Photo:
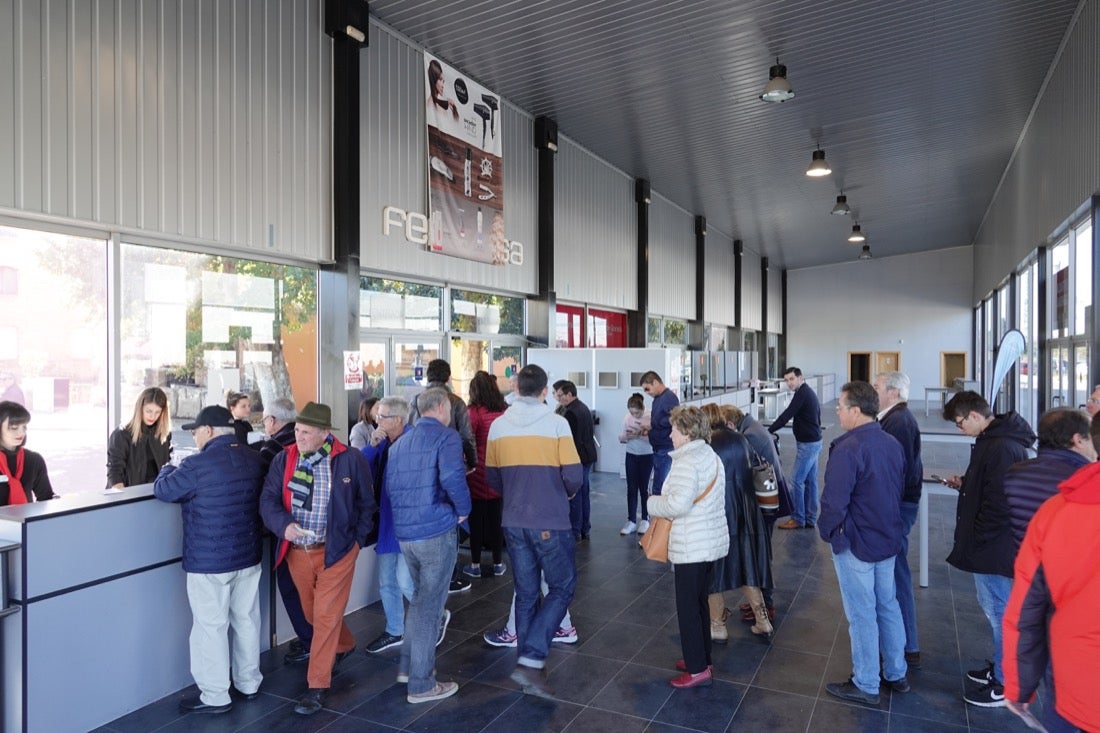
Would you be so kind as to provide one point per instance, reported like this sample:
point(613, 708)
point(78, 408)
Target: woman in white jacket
point(694, 497)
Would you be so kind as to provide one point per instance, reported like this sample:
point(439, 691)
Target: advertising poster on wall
point(465, 167)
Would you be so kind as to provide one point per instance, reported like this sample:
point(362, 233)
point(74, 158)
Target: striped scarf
point(301, 483)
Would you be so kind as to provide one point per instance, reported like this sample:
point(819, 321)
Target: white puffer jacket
point(699, 531)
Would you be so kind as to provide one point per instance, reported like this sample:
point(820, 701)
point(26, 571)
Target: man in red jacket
point(1053, 613)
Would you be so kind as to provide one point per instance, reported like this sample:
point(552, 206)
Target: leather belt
point(309, 547)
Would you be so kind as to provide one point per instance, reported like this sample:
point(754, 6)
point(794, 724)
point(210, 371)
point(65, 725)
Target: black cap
point(215, 416)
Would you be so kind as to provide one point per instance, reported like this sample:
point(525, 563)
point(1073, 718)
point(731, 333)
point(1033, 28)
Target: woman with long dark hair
point(137, 450)
point(486, 404)
point(361, 432)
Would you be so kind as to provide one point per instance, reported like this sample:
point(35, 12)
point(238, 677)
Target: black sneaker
point(459, 585)
point(991, 695)
point(383, 642)
point(983, 675)
point(900, 685)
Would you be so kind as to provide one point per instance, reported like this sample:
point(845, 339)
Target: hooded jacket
point(1052, 613)
point(983, 529)
point(530, 459)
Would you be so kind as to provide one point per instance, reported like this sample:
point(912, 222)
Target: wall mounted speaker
point(546, 134)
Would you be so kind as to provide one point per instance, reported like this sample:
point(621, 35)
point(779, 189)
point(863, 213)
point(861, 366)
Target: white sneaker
point(643, 526)
point(628, 528)
point(565, 635)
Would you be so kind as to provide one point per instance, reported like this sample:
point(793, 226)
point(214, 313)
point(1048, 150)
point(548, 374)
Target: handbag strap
point(711, 486)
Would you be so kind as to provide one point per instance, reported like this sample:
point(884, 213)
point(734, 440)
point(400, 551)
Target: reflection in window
point(200, 326)
point(569, 326)
point(653, 332)
point(473, 312)
point(1059, 294)
point(675, 332)
point(606, 329)
point(397, 305)
point(1082, 277)
point(53, 350)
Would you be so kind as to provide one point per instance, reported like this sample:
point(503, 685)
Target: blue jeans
point(580, 506)
point(661, 466)
point(874, 620)
point(394, 585)
point(903, 578)
point(993, 591)
point(430, 564)
point(804, 484)
point(638, 470)
point(547, 554)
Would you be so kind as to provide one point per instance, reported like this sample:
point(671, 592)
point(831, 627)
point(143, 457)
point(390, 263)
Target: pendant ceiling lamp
point(818, 166)
point(857, 234)
point(841, 208)
point(865, 254)
point(778, 89)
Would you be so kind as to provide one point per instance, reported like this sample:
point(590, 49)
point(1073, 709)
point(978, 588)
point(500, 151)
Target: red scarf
point(16, 493)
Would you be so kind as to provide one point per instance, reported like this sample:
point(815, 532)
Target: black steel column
point(781, 354)
point(1042, 314)
point(638, 321)
point(762, 346)
point(1093, 327)
point(738, 254)
point(546, 142)
point(700, 274)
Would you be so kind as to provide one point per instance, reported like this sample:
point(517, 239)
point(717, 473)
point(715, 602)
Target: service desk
point(103, 620)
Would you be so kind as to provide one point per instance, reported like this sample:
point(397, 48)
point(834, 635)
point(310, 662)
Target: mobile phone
point(941, 479)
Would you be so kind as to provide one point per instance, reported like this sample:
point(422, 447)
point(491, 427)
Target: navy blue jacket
point(1029, 483)
point(425, 480)
point(900, 423)
point(983, 531)
point(860, 507)
point(350, 509)
point(660, 431)
point(806, 411)
point(219, 490)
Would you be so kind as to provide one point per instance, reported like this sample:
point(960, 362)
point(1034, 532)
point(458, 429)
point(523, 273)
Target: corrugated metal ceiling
point(917, 104)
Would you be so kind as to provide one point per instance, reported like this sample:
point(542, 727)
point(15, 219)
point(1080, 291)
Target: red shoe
point(703, 679)
point(749, 616)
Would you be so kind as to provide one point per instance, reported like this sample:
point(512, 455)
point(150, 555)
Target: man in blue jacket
point(861, 520)
point(318, 498)
point(805, 410)
point(425, 481)
point(219, 488)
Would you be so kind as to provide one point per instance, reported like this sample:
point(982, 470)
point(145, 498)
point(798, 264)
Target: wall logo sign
point(416, 229)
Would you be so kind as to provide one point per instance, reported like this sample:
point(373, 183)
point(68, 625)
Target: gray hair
point(282, 409)
point(219, 431)
point(898, 381)
point(431, 399)
point(396, 406)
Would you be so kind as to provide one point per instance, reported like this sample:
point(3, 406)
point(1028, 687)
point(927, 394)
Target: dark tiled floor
point(615, 677)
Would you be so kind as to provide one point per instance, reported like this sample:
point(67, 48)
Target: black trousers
point(486, 516)
point(693, 613)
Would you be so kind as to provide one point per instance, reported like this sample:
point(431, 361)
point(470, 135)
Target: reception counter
point(100, 617)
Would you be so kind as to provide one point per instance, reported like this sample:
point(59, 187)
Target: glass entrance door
point(500, 356)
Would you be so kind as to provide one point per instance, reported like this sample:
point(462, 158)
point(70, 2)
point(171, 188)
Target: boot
point(763, 626)
point(718, 615)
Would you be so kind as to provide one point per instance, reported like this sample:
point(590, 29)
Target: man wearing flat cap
point(218, 489)
point(318, 499)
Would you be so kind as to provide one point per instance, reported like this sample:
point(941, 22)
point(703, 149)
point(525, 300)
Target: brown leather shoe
point(789, 524)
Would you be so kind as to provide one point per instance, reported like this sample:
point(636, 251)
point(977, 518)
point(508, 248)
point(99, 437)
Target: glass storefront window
point(653, 332)
point(569, 326)
point(1082, 298)
point(397, 305)
point(1059, 290)
point(409, 367)
point(606, 329)
point(53, 350)
point(675, 332)
point(199, 326)
point(473, 312)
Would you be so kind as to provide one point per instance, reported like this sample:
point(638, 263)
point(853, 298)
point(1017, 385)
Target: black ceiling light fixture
point(865, 253)
point(818, 166)
point(778, 89)
point(857, 235)
point(841, 208)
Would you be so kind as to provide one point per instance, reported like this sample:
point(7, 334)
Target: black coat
point(128, 463)
point(749, 560)
point(583, 426)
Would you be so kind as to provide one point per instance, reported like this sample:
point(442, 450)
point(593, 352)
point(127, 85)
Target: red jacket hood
point(1082, 487)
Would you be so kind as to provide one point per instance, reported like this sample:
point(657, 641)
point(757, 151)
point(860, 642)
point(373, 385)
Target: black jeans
point(485, 531)
point(638, 470)
point(693, 613)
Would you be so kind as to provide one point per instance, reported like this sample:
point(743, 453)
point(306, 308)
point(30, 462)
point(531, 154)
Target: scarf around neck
point(16, 493)
point(301, 483)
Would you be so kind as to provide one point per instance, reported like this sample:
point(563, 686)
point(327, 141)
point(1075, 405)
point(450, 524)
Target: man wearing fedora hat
point(219, 488)
point(318, 499)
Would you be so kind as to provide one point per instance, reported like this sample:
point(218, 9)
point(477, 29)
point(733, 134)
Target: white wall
point(917, 304)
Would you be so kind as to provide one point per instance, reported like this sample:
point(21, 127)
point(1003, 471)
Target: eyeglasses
point(959, 422)
point(1093, 401)
point(840, 407)
point(388, 417)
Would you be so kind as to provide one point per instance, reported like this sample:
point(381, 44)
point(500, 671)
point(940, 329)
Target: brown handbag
point(655, 540)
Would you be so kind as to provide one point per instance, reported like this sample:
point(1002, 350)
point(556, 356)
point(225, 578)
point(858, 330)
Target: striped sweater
point(530, 459)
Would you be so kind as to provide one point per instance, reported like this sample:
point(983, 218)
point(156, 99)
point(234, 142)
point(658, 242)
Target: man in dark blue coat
point(892, 389)
point(861, 520)
point(219, 490)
